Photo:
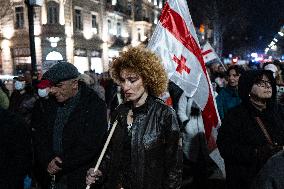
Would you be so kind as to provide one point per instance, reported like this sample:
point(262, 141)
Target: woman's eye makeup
point(132, 79)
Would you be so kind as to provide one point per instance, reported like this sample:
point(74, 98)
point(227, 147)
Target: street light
point(30, 5)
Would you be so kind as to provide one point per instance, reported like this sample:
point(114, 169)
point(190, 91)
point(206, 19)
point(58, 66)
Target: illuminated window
point(109, 27)
point(54, 55)
point(19, 17)
point(118, 29)
point(155, 2)
point(78, 20)
point(94, 21)
point(52, 13)
point(139, 34)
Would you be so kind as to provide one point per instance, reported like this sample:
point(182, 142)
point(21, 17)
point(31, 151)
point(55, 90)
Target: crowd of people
point(53, 130)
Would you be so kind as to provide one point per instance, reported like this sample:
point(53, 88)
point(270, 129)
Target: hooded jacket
point(240, 136)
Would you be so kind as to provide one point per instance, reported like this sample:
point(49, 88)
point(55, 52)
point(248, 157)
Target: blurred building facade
point(87, 33)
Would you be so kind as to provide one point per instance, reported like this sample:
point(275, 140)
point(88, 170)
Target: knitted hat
point(44, 84)
point(61, 71)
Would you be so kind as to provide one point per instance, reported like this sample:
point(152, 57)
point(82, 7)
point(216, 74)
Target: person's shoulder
point(225, 91)
point(160, 104)
point(89, 93)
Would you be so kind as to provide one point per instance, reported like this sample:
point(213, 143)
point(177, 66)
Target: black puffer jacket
point(240, 136)
point(156, 155)
point(82, 138)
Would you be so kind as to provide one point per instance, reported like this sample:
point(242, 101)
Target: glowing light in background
point(88, 34)
point(37, 30)
point(6, 57)
point(81, 63)
point(53, 41)
point(54, 55)
point(8, 32)
point(97, 65)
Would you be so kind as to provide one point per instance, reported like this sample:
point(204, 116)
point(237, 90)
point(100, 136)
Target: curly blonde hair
point(144, 63)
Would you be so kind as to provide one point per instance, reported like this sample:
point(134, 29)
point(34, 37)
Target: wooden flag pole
point(104, 149)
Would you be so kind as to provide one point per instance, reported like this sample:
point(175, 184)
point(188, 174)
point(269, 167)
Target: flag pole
point(104, 149)
point(222, 63)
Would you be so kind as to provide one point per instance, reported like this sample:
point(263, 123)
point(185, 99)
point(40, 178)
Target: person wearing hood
point(228, 97)
point(253, 131)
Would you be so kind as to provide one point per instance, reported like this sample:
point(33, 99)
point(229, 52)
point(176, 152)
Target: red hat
point(44, 84)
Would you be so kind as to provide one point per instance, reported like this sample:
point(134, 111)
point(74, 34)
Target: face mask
point(19, 85)
point(42, 92)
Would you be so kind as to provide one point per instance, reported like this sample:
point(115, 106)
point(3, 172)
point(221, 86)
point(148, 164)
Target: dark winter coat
point(240, 136)
point(227, 99)
point(271, 176)
point(15, 150)
point(156, 154)
point(82, 138)
point(23, 103)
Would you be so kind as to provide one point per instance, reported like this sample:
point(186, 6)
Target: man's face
point(132, 85)
point(64, 90)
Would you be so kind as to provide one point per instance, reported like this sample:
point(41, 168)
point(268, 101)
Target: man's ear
point(75, 84)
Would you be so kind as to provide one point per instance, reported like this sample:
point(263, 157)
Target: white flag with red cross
point(208, 53)
point(176, 42)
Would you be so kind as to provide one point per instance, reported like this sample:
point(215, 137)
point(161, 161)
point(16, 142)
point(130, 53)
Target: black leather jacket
point(156, 155)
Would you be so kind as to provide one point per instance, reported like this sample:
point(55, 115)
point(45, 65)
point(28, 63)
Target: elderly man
point(71, 130)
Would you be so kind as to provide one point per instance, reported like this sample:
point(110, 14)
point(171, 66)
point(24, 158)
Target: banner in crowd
point(176, 42)
point(208, 53)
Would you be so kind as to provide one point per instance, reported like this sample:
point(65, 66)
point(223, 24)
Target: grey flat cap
point(61, 71)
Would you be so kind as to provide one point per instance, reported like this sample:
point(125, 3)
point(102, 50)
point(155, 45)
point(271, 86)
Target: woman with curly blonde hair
point(145, 150)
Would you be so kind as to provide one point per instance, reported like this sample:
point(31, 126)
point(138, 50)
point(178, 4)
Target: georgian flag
point(208, 53)
point(175, 41)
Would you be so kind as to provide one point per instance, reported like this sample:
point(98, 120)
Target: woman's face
point(233, 78)
point(132, 85)
point(262, 89)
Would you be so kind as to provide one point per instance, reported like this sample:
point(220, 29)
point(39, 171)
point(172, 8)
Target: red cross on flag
point(175, 41)
point(208, 53)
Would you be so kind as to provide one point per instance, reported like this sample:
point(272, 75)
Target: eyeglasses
point(263, 83)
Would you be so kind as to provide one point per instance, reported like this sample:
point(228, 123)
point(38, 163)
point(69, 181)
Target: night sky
point(263, 19)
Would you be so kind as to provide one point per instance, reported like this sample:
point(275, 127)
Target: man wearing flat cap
point(70, 134)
